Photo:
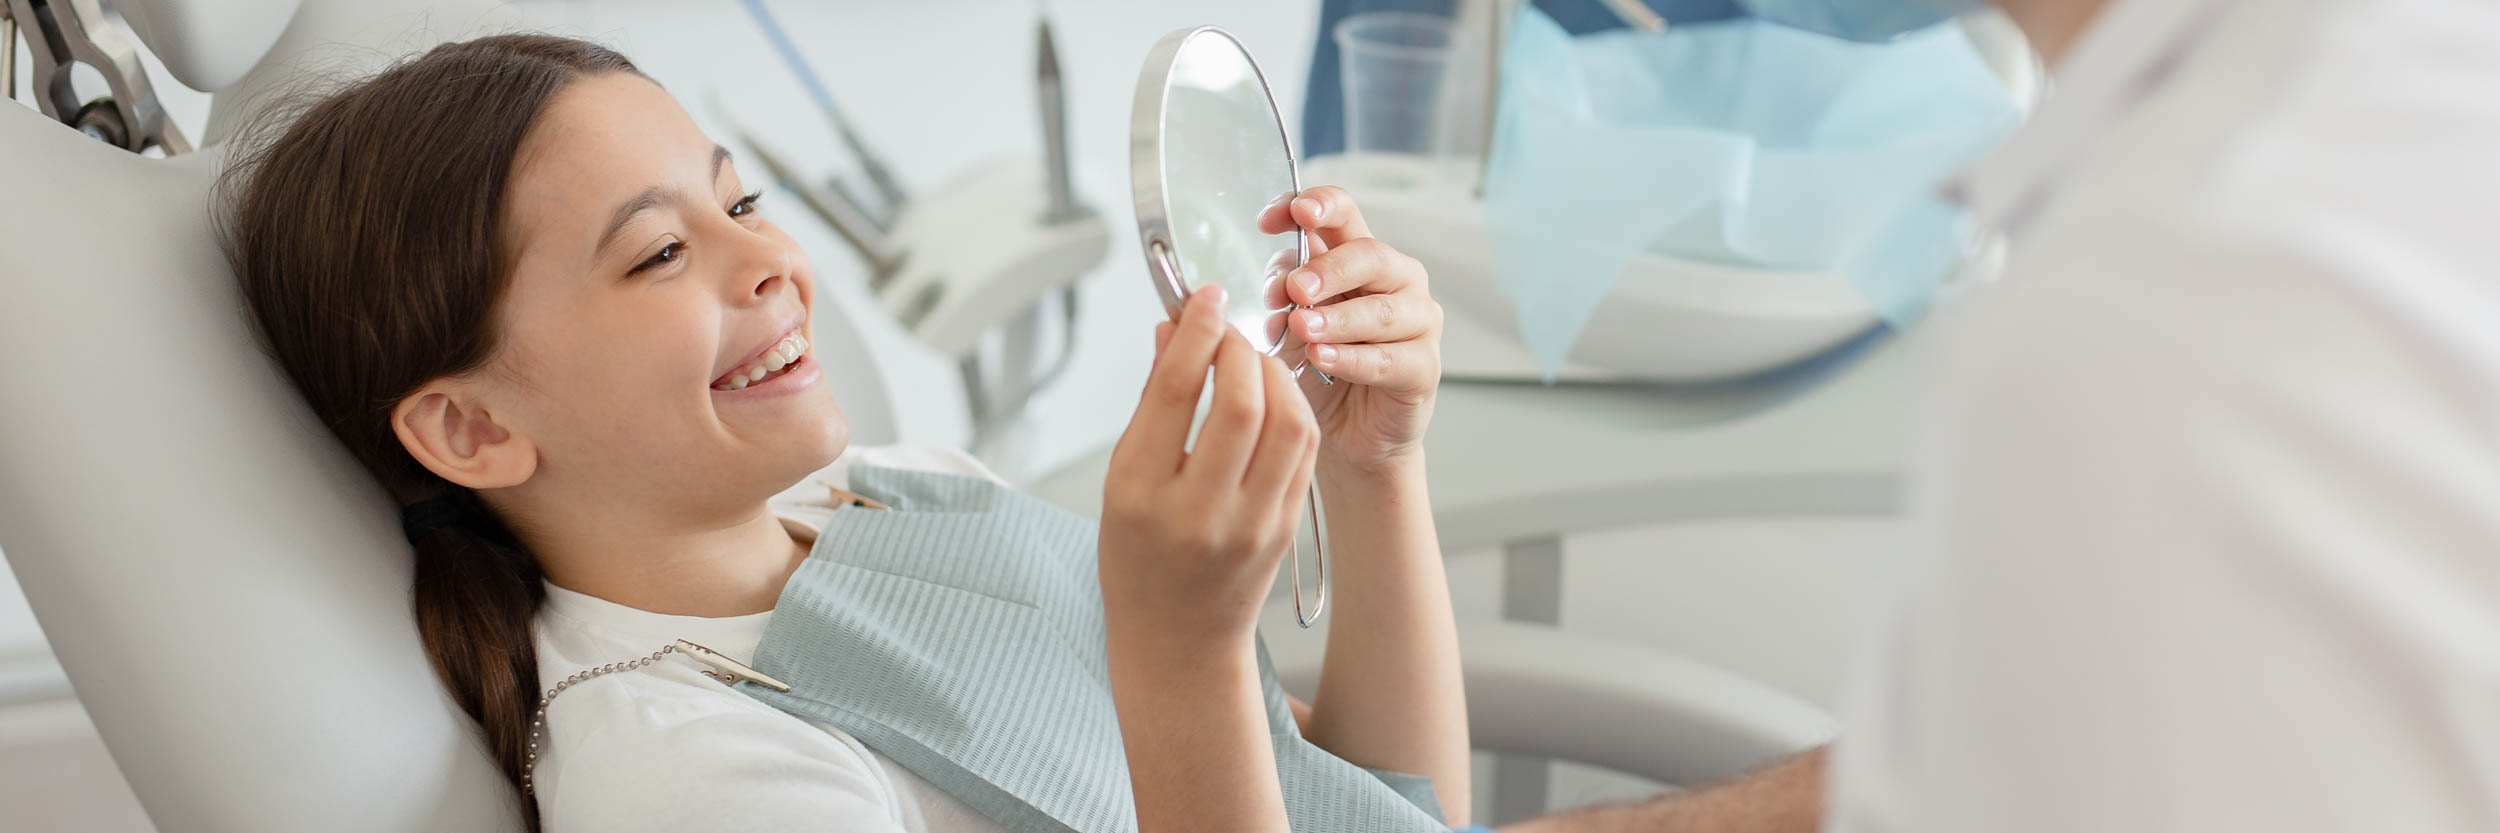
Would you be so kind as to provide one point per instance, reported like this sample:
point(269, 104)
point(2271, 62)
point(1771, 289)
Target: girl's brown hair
point(364, 233)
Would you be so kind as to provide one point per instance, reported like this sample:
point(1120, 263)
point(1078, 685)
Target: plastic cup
point(1392, 65)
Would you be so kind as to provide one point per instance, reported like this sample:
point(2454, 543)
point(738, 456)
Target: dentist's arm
point(1389, 691)
point(1786, 797)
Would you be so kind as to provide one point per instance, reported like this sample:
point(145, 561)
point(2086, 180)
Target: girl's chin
point(819, 434)
point(803, 425)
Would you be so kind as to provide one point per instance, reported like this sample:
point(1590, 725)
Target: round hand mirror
point(1212, 172)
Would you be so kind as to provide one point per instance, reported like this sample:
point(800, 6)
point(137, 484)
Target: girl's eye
point(666, 255)
point(746, 204)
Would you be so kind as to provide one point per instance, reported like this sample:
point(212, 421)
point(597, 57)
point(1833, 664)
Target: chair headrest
point(208, 44)
point(226, 588)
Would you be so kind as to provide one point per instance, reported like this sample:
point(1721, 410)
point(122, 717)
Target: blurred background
point(1684, 433)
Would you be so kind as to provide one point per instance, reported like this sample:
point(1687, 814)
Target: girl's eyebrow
point(650, 197)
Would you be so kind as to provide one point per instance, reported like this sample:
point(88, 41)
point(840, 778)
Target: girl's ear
point(450, 431)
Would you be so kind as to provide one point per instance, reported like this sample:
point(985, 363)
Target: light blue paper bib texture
point(961, 635)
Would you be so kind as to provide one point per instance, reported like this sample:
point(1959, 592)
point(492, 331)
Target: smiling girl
point(523, 288)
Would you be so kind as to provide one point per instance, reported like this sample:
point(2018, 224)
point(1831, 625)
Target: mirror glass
point(1222, 174)
point(1213, 174)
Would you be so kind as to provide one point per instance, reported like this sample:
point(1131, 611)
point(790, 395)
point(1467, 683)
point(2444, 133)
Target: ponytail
point(362, 226)
point(477, 590)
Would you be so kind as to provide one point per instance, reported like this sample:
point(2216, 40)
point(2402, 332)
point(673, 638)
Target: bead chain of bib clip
point(731, 671)
point(538, 719)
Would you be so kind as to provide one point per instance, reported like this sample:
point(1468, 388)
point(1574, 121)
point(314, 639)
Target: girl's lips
point(797, 376)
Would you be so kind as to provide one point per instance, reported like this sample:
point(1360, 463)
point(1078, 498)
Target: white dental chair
point(228, 591)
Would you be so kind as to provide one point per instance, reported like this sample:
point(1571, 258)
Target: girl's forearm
point(1194, 724)
point(1389, 691)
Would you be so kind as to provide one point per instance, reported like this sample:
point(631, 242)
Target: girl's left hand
point(1374, 328)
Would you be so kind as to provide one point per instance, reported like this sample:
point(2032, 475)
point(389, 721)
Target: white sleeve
point(2207, 537)
point(732, 771)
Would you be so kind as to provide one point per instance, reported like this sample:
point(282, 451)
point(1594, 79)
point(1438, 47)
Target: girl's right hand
point(1191, 536)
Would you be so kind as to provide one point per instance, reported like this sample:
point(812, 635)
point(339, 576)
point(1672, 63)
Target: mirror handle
point(1168, 277)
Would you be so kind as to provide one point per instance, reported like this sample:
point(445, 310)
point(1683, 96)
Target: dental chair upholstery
point(226, 588)
point(228, 591)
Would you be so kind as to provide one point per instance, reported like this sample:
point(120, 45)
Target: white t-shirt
point(664, 748)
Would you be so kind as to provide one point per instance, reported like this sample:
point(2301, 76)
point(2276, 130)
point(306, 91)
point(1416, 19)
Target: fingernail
point(1324, 353)
point(1316, 209)
point(1215, 296)
point(1311, 322)
point(1309, 281)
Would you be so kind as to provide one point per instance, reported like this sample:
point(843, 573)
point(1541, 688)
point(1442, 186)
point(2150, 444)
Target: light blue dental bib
point(960, 633)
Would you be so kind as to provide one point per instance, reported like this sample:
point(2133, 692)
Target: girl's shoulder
point(631, 769)
point(628, 750)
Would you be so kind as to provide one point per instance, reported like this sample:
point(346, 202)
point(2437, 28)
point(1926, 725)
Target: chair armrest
point(1535, 690)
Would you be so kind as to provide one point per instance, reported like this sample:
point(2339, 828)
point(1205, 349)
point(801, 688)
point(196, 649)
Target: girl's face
point(645, 285)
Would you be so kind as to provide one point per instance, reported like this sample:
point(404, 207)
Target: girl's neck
point(727, 570)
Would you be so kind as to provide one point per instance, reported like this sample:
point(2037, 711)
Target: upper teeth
point(782, 354)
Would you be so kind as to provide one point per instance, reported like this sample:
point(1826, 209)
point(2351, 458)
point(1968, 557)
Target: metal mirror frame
point(1154, 233)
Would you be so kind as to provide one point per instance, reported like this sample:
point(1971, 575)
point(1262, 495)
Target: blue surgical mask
point(1871, 21)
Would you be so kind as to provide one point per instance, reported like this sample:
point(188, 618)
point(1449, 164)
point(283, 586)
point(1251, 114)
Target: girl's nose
point(766, 266)
point(764, 286)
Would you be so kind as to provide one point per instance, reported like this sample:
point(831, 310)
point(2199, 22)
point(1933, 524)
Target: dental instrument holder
point(985, 304)
point(1200, 209)
point(61, 33)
